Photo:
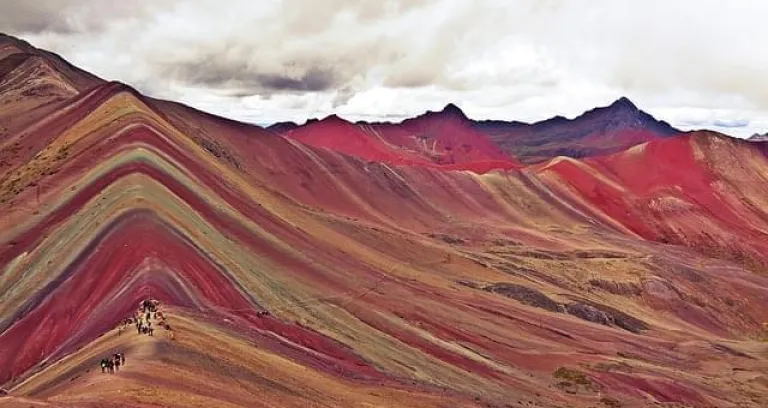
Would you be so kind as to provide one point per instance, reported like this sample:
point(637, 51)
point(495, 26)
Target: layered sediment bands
point(622, 271)
point(696, 190)
point(89, 298)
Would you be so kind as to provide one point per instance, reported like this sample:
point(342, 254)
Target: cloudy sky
point(694, 63)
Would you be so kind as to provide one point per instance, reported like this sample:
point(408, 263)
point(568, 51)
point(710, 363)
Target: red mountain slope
point(338, 135)
point(448, 134)
point(298, 275)
point(438, 139)
point(448, 137)
point(698, 190)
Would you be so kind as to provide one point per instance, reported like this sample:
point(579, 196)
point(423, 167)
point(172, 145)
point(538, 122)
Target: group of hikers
point(112, 364)
point(143, 318)
point(146, 313)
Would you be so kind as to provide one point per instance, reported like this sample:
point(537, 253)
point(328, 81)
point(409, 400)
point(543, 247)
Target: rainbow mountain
point(435, 262)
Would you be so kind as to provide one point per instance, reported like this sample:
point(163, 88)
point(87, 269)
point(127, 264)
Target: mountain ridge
point(297, 275)
point(598, 131)
point(758, 137)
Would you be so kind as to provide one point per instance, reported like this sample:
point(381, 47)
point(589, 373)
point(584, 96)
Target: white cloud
point(525, 60)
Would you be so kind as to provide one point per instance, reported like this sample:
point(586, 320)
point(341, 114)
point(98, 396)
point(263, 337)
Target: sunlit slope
point(439, 140)
point(387, 285)
point(701, 190)
point(208, 363)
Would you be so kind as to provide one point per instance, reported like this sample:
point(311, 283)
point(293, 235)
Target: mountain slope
point(699, 190)
point(386, 284)
point(80, 79)
point(449, 137)
point(448, 134)
point(597, 132)
point(437, 139)
point(758, 137)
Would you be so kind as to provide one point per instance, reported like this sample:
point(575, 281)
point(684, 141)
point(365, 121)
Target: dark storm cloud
point(288, 46)
point(36, 16)
point(69, 17)
point(302, 46)
point(314, 79)
point(241, 77)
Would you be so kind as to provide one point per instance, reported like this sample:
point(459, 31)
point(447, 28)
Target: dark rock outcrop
point(468, 283)
point(725, 349)
point(605, 315)
point(589, 313)
point(525, 295)
point(448, 239)
point(585, 310)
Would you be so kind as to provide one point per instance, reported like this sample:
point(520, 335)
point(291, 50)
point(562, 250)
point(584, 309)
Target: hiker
point(122, 358)
point(110, 366)
point(139, 327)
point(150, 329)
point(116, 358)
point(103, 365)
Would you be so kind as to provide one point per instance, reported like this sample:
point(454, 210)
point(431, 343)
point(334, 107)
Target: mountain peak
point(282, 127)
point(623, 103)
point(452, 109)
point(334, 118)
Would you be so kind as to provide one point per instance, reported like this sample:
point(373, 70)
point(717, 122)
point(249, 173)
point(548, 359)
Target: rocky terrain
point(605, 261)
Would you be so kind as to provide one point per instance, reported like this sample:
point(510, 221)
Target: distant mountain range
point(758, 137)
point(603, 261)
point(597, 132)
